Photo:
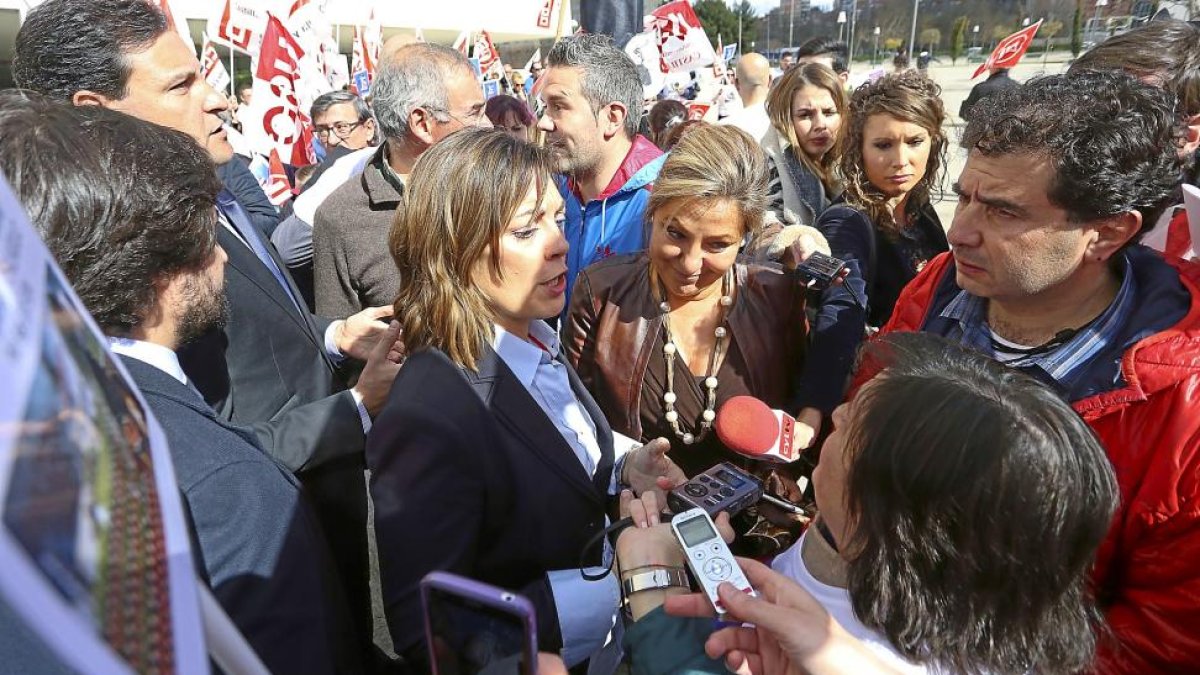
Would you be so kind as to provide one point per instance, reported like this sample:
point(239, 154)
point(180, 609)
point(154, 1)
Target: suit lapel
point(242, 259)
point(507, 397)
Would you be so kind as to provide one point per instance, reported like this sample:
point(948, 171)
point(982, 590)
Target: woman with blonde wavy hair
point(663, 338)
point(490, 459)
point(807, 107)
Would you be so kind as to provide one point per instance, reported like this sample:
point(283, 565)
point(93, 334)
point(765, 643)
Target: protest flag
point(239, 24)
point(212, 68)
point(368, 41)
point(279, 188)
point(622, 19)
point(462, 43)
point(180, 27)
point(681, 39)
point(276, 121)
point(536, 57)
point(1009, 51)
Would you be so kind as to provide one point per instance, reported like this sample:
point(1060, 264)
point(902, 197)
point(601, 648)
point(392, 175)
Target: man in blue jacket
point(593, 102)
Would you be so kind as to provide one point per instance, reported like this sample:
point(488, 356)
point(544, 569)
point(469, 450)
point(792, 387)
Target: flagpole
point(232, 76)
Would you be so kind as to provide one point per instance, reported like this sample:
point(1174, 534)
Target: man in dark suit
point(272, 366)
point(149, 194)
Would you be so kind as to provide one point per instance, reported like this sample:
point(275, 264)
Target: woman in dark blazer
point(490, 459)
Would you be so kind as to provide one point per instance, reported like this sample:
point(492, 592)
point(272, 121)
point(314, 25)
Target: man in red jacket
point(1047, 276)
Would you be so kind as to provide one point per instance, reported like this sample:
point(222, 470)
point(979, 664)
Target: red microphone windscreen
point(747, 426)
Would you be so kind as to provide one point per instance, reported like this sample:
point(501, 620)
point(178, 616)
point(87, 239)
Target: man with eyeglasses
point(342, 120)
point(422, 94)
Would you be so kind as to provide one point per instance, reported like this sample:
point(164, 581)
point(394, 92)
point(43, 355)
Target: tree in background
point(718, 19)
point(931, 37)
point(1077, 29)
point(957, 38)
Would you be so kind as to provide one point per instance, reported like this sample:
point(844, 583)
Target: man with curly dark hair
point(1046, 275)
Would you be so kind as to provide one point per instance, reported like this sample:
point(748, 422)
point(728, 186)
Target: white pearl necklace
point(710, 380)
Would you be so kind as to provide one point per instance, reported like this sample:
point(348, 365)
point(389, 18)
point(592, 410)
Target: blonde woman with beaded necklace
point(662, 338)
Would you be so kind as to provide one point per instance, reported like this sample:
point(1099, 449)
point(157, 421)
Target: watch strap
point(655, 579)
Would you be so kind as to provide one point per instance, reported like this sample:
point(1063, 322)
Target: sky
point(764, 6)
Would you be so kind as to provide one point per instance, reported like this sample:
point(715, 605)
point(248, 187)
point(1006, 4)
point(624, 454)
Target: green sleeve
point(659, 644)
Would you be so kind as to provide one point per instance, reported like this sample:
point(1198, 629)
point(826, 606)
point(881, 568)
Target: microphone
point(748, 427)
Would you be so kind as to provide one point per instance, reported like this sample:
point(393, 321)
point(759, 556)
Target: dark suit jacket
point(262, 550)
point(236, 176)
point(267, 370)
point(469, 475)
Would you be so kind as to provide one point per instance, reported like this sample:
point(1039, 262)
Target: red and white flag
point(545, 14)
point(179, 26)
point(276, 121)
point(1010, 50)
point(486, 52)
point(239, 24)
point(462, 43)
point(278, 188)
point(681, 39)
point(368, 41)
point(697, 111)
point(211, 67)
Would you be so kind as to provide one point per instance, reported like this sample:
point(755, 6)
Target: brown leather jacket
point(614, 329)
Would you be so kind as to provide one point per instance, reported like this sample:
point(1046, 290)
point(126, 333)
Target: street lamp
point(841, 24)
point(875, 58)
point(791, 22)
point(975, 36)
point(1096, 18)
point(853, 28)
point(912, 35)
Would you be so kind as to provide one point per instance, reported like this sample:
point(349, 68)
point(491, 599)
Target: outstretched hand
point(647, 467)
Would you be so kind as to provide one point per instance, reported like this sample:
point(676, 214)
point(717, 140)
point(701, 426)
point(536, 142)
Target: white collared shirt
point(151, 354)
point(544, 376)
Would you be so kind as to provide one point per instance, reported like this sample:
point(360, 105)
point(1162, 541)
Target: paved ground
point(956, 85)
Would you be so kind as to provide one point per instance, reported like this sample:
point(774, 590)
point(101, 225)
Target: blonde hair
point(461, 196)
point(715, 162)
point(779, 109)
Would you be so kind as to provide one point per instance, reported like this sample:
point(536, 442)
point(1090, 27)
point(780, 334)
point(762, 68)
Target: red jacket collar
point(641, 153)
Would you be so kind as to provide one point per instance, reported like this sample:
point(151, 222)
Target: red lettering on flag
point(543, 20)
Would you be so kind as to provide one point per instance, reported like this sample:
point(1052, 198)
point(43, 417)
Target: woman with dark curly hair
point(892, 162)
point(961, 503)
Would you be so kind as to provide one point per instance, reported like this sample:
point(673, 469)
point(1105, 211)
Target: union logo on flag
point(1010, 50)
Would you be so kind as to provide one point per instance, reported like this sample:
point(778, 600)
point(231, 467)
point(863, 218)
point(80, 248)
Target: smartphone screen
point(469, 637)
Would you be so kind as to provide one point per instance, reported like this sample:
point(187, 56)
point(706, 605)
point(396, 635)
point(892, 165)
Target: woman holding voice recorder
point(490, 459)
point(961, 504)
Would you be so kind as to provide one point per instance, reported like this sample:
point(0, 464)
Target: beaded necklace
point(710, 379)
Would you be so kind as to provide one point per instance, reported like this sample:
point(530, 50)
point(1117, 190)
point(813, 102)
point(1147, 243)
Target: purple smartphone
point(474, 628)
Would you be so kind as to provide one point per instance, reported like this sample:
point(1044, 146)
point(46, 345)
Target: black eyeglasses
point(342, 129)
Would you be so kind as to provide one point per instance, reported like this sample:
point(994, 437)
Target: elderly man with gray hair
point(422, 93)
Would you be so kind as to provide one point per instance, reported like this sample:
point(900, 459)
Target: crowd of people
point(495, 348)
